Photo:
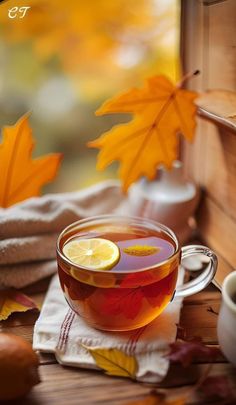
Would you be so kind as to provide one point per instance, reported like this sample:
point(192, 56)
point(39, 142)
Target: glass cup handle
point(206, 276)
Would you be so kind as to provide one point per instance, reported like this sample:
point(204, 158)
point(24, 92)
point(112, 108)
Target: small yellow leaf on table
point(114, 361)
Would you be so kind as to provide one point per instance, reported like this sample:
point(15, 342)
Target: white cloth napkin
point(29, 230)
point(59, 330)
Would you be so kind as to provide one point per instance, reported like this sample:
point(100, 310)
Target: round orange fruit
point(18, 367)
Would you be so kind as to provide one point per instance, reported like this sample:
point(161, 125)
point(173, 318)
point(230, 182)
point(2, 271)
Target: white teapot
point(169, 199)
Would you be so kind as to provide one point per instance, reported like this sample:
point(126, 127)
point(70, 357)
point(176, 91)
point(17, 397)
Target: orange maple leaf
point(21, 176)
point(160, 111)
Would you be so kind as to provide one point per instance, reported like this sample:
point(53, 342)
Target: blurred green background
point(64, 58)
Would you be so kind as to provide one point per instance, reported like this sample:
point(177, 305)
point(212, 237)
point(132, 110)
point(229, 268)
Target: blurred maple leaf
point(160, 111)
point(186, 352)
point(21, 176)
point(14, 301)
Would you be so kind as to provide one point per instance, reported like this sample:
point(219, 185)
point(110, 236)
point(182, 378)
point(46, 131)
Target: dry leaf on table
point(186, 352)
point(114, 362)
point(21, 176)
point(160, 111)
point(14, 301)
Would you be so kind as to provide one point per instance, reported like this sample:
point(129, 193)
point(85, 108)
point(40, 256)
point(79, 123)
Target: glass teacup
point(140, 281)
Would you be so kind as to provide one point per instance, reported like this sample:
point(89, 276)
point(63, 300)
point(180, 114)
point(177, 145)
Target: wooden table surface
point(69, 386)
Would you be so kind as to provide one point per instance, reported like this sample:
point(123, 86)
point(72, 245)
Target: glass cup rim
point(140, 220)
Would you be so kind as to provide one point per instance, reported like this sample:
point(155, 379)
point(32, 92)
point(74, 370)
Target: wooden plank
point(194, 153)
point(208, 43)
point(220, 169)
point(23, 331)
point(217, 229)
point(222, 50)
point(69, 386)
point(204, 315)
point(75, 386)
point(47, 358)
point(224, 269)
point(192, 32)
point(206, 296)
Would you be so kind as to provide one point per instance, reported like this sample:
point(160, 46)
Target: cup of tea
point(226, 326)
point(119, 273)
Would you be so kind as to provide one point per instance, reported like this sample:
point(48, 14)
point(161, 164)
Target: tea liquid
point(135, 290)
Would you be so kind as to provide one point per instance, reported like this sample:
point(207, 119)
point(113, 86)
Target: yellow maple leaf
point(21, 176)
point(160, 111)
point(114, 361)
point(14, 301)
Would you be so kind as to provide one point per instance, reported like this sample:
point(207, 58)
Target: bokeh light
point(65, 57)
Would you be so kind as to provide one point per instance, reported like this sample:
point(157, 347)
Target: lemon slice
point(94, 253)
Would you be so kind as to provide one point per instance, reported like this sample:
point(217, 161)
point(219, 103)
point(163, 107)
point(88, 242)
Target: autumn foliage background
point(65, 58)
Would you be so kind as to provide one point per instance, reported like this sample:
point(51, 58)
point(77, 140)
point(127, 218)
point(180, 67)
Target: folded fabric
point(28, 230)
point(59, 330)
point(27, 249)
point(21, 275)
point(52, 212)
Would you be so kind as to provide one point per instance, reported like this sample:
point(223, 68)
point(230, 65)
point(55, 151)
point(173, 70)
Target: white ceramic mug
point(226, 327)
